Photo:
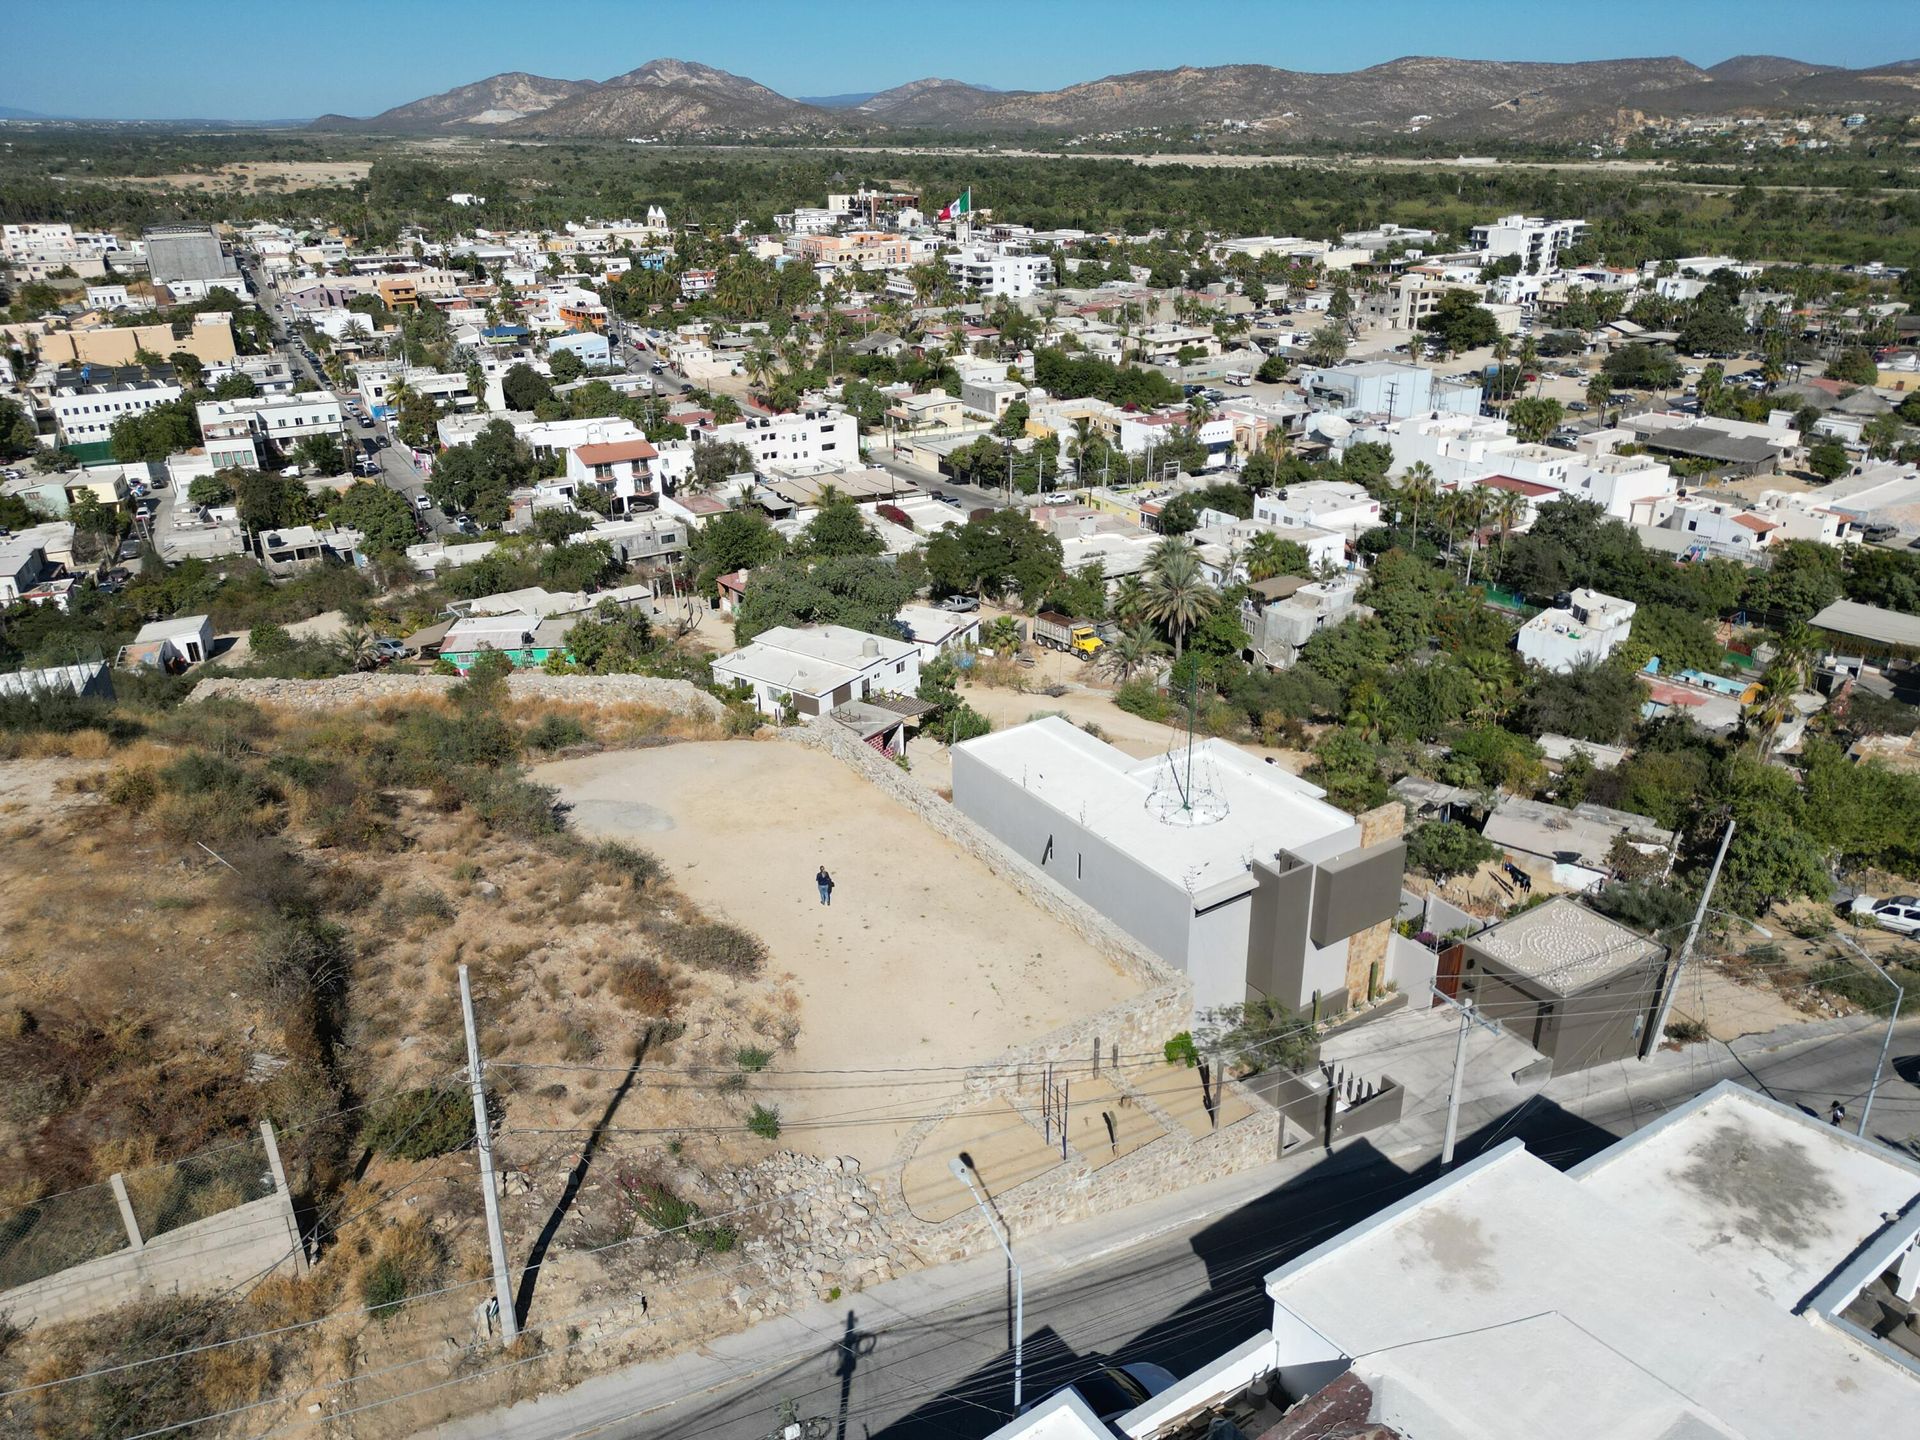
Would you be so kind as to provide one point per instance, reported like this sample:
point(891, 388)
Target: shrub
point(1180, 1050)
point(419, 1124)
point(637, 867)
point(136, 787)
point(556, 732)
point(269, 640)
point(1862, 988)
point(384, 1286)
point(1142, 698)
point(753, 1058)
point(644, 985)
point(1444, 848)
point(715, 945)
point(764, 1121)
point(660, 1208)
point(1686, 1031)
point(408, 1261)
point(509, 804)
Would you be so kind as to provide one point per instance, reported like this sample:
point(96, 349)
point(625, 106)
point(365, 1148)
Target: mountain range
point(1449, 98)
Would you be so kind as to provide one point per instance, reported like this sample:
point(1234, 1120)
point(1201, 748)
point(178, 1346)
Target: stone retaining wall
point(680, 696)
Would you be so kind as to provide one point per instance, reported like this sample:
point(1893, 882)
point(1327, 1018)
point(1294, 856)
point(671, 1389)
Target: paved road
point(916, 1359)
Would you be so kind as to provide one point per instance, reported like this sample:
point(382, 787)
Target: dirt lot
point(258, 175)
point(924, 959)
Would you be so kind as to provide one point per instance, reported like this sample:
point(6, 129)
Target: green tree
point(267, 501)
point(1855, 366)
point(1460, 322)
point(565, 365)
point(862, 592)
point(994, 555)
point(381, 516)
point(1590, 702)
point(1828, 460)
point(321, 452)
point(838, 527)
point(215, 489)
point(478, 478)
point(737, 540)
point(1272, 370)
point(715, 460)
point(524, 388)
point(1445, 848)
point(580, 566)
point(1178, 595)
point(1270, 555)
point(1327, 345)
point(1534, 420)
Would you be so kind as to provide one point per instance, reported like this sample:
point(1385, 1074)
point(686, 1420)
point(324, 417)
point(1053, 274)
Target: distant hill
point(1458, 99)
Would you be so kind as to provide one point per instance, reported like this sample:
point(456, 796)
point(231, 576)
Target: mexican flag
point(957, 208)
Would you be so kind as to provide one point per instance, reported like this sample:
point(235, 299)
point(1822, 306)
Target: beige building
point(210, 340)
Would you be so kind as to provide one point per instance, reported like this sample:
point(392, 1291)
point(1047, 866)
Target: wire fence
point(46, 1237)
point(61, 1231)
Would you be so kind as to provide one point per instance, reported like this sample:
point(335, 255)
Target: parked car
point(1113, 1390)
point(387, 648)
point(960, 604)
point(423, 501)
point(1901, 914)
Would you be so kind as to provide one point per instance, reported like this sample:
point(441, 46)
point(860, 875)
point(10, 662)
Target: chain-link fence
point(47, 1236)
point(63, 1230)
point(166, 1197)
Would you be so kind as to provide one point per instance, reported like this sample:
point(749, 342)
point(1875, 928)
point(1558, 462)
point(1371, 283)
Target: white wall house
point(991, 271)
point(1336, 505)
point(827, 435)
point(1536, 241)
point(281, 420)
point(624, 468)
point(84, 414)
point(819, 667)
point(1584, 633)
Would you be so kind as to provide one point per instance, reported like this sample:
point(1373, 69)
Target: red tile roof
point(1528, 488)
point(614, 452)
point(1755, 523)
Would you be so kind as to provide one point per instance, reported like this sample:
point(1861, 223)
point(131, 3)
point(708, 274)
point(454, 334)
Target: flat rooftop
point(1509, 1301)
point(1261, 809)
point(1778, 1196)
point(1565, 945)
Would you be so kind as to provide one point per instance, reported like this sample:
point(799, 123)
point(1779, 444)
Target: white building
point(937, 631)
point(83, 414)
point(1538, 242)
point(991, 270)
point(819, 667)
point(1724, 1272)
point(1235, 872)
point(280, 420)
point(1337, 505)
point(827, 435)
point(1584, 633)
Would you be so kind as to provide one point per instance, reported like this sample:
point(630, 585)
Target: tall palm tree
point(1416, 489)
point(1199, 411)
point(760, 365)
point(1133, 651)
point(1178, 596)
point(1471, 504)
point(1508, 509)
point(1773, 705)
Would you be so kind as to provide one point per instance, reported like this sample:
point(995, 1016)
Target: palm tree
point(759, 365)
point(1199, 411)
point(1773, 705)
point(1130, 600)
point(1267, 556)
point(1132, 652)
point(1417, 488)
point(356, 647)
point(1178, 596)
point(1509, 508)
point(1471, 505)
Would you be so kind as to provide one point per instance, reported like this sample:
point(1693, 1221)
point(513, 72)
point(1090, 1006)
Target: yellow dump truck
point(1076, 637)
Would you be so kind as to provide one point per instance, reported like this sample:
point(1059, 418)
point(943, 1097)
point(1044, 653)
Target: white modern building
point(1538, 242)
point(1585, 632)
point(1738, 1268)
point(83, 414)
point(937, 631)
point(1388, 388)
point(991, 270)
point(1235, 872)
point(827, 435)
point(818, 667)
point(281, 420)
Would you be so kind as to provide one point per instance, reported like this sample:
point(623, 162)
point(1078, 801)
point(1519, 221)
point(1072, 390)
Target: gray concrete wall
point(1153, 911)
point(210, 1254)
point(680, 696)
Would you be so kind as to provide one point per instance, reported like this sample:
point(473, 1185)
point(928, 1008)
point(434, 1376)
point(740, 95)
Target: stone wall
point(1367, 951)
point(680, 696)
point(209, 1254)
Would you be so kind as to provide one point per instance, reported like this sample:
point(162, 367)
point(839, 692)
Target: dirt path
point(925, 959)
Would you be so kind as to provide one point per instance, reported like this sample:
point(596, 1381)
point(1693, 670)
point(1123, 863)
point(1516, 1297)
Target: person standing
point(1837, 1115)
point(825, 882)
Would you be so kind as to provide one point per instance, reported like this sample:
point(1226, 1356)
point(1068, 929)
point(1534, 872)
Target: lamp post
point(963, 1172)
point(1886, 1044)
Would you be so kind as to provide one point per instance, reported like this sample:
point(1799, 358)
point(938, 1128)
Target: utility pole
point(1470, 1016)
point(483, 1140)
point(965, 1176)
point(1651, 1040)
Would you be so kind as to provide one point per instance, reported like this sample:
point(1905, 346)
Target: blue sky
point(278, 59)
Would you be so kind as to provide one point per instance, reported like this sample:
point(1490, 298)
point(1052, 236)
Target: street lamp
point(963, 1172)
point(1899, 994)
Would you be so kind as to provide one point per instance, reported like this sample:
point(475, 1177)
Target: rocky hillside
point(485, 104)
point(1453, 98)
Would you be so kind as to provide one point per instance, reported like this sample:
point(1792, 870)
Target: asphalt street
point(880, 1367)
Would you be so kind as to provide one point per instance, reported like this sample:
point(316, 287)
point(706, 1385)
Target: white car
point(1901, 914)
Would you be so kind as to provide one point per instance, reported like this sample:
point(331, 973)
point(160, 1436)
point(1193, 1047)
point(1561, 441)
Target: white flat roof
point(1115, 797)
point(1783, 1198)
point(1510, 1301)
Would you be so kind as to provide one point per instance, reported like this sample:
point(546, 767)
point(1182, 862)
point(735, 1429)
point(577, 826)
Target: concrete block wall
point(680, 696)
point(209, 1254)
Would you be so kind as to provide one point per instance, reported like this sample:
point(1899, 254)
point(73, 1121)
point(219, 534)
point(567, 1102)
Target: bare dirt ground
point(257, 175)
point(923, 960)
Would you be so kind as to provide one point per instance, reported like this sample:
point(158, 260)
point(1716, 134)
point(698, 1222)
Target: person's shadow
point(577, 1177)
point(855, 1345)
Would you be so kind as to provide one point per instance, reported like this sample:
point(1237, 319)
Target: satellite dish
point(1332, 427)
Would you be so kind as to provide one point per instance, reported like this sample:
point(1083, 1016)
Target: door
point(1447, 973)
